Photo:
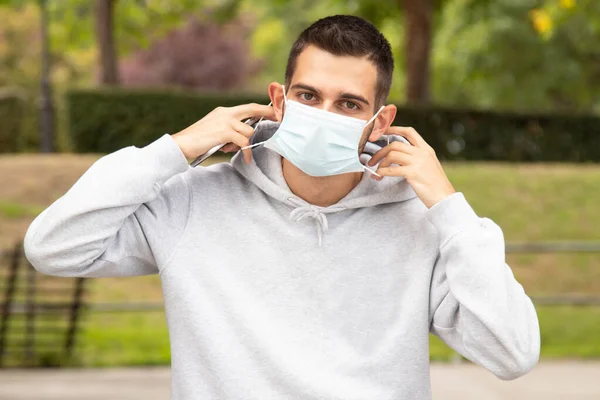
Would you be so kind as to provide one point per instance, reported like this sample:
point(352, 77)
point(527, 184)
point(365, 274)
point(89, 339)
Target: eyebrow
point(344, 95)
point(355, 97)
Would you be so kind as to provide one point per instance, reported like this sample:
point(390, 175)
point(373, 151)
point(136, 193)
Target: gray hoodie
point(270, 297)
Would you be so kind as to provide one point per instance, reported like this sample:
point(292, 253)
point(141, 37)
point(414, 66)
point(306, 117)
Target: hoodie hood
point(266, 173)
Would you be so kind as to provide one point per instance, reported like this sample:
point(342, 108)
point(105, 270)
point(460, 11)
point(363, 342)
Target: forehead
point(336, 74)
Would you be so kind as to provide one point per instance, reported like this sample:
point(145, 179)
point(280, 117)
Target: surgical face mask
point(319, 142)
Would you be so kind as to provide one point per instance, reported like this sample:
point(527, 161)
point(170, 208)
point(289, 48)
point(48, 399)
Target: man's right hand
point(222, 125)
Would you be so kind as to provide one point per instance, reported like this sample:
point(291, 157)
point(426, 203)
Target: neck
point(320, 191)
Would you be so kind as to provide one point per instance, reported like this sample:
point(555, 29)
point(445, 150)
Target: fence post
point(9, 291)
point(30, 317)
point(74, 317)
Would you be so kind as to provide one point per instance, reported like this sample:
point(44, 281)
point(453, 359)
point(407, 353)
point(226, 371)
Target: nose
point(328, 105)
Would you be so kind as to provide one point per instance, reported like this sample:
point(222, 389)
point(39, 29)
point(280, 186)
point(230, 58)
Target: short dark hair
point(348, 35)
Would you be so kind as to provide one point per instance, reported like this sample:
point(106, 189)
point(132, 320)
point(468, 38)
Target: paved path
point(548, 381)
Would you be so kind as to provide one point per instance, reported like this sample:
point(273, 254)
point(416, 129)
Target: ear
point(383, 122)
point(277, 98)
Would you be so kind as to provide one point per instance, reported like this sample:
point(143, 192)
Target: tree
point(417, 46)
point(502, 54)
point(417, 32)
point(415, 20)
point(66, 28)
point(171, 11)
point(82, 24)
point(138, 23)
point(198, 55)
point(104, 15)
point(47, 107)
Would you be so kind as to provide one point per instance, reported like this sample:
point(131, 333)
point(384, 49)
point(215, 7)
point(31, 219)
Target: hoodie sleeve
point(123, 217)
point(476, 305)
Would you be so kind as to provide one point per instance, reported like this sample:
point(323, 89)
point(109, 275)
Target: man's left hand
point(418, 164)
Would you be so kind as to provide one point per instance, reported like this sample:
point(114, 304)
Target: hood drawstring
point(303, 210)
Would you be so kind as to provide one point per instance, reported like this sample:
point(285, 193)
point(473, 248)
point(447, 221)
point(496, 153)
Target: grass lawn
point(529, 202)
point(115, 339)
point(142, 339)
point(567, 332)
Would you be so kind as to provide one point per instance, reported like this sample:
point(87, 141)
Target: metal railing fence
point(29, 298)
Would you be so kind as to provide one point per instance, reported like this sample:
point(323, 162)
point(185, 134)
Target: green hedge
point(106, 120)
point(459, 134)
point(11, 118)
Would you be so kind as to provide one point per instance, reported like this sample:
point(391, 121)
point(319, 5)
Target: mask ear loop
point(371, 171)
point(374, 116)
point(368, 122)
point(261, 118)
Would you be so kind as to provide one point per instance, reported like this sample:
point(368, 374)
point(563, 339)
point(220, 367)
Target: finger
point(242, 141)
point(230, 148)
point(247, 155)
point(410, 134)
point(242, 128)
point(253, 110)
point(394, 170)
point(395, 146)
point(271, 117)
point(247, 131)
point(395, 157)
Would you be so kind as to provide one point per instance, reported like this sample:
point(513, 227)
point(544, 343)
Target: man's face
point(340, 84)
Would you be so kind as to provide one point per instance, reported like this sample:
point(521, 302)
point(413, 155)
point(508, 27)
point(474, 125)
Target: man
point(294, 274)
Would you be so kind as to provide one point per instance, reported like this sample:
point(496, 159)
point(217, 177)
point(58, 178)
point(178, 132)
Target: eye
point(351, 105)
point(307, 96)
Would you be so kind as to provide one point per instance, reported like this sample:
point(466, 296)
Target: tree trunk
point(417, 45)
point(46, 107)
point(104, 13)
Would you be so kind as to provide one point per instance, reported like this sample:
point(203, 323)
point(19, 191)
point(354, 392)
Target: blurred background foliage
point(508, 54)
point(502, 55)
point(525, 55)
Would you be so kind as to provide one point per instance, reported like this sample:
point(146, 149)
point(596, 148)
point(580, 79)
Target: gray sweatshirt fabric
point(269, 297)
